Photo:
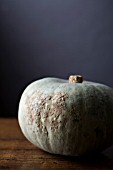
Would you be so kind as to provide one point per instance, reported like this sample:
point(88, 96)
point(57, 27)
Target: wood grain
point(18, 153)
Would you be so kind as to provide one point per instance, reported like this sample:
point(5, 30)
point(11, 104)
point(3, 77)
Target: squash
point(64, 117)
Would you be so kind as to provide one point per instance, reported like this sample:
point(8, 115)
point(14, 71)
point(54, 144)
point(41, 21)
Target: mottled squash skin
point(67, 118)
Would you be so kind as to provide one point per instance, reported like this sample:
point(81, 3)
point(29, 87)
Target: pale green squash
point(67, 117)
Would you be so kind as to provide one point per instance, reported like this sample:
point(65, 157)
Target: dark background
point(40, 38)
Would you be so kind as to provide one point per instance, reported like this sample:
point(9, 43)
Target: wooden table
point(17, 153)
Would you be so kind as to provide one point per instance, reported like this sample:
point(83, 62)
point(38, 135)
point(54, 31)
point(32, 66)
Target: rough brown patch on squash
point(44, 110)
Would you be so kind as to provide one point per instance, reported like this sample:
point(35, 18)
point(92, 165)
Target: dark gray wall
point(40, 38)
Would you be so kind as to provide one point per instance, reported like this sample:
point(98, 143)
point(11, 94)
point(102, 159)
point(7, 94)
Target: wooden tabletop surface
point(18, 153)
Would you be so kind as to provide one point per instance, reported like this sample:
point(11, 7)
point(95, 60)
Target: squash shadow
point(92, 161)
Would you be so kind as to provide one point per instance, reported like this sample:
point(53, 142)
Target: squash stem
point(75, 79)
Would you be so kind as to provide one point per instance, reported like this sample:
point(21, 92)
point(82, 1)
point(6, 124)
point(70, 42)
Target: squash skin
point(67, 119)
